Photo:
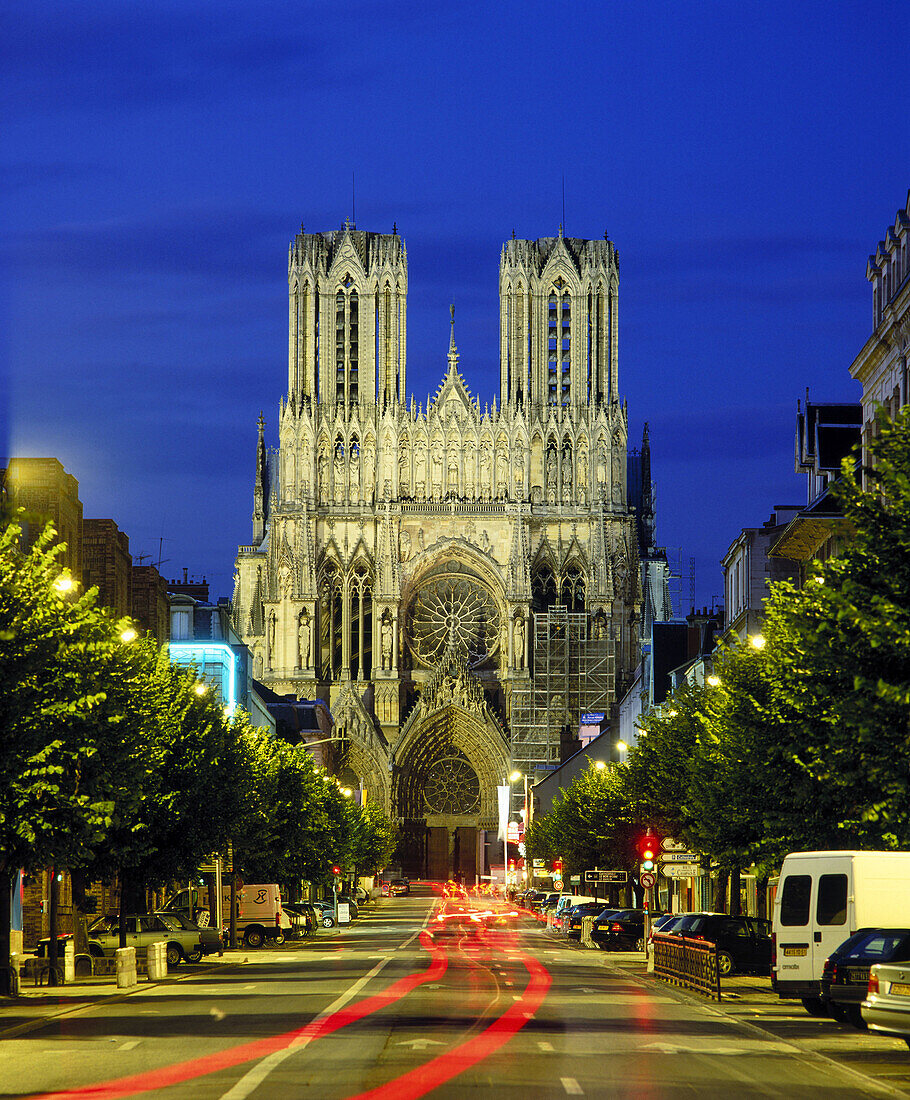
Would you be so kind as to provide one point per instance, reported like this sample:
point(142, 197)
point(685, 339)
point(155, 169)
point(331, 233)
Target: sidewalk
point(36, 1005)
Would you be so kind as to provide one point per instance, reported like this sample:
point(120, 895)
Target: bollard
point(126, 967)
point(69, 962)
point(14, 975)
point(157, 961)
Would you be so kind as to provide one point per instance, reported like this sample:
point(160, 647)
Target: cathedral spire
point(260, 486)
point(453, 350)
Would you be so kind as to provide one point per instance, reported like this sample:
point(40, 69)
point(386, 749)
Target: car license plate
point(791, 951)
point(858, 974)
point(900, 989)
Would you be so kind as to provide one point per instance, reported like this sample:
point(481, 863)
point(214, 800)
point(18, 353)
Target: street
point(402, 1004)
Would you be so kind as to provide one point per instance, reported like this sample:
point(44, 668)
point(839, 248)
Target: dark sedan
point(571, 921)
point(845, 980)
point(621, 930)
point(743, 943)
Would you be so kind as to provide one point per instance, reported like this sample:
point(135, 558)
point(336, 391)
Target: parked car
point(845, 979)
point(887, 1004)
point(326, 910)
point(399, 887)
point(303, 921)
point(146, 928)
point(667, 923)
point(743, 943)
point(620, 930)
point(209, 938)
point(573, 917)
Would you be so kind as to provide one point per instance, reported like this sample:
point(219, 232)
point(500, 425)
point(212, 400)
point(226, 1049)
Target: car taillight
point(829, 969)
point(773, 950)
point(873, 984)
point(615, 927)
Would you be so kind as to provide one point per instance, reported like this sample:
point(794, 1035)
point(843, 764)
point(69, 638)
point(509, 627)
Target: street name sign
point(681, 870)
point(679, 857)
point(606, 876)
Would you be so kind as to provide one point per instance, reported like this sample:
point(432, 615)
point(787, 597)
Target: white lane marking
point(420, 1044)
point(129, 1045)
point(572, 1087)
point(254, 1078)
point(509, 983)
point(218, 1013)
point(249, 987)
point(541, 1045)
point(516, 996)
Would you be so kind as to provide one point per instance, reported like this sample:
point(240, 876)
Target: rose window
point(452, 787)
point(453, 608)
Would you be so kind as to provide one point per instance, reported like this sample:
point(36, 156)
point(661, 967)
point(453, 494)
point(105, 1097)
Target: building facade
point(882, 365)
point(458, 581)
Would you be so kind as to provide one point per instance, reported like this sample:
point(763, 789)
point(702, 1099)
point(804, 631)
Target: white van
point(822, 899)
point(260, 916)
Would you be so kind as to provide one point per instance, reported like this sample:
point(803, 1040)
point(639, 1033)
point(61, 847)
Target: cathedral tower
point(559, 304)
point(347, 318)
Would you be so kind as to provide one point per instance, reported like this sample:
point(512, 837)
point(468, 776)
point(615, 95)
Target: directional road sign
point(681, 870)
point(606, 876)
point(678, 857)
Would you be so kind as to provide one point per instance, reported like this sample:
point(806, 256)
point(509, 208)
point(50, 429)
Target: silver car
point(147, 928)
point(887, 1004)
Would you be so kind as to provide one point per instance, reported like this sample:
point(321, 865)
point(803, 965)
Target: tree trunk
point(720, 890)
point(6, 905)
point(736, 904)
point(53, 953)
point(124, 909)
point(761, 889)
point(232, 933)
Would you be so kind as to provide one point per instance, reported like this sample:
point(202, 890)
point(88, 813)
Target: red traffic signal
point(648, 847)
point(557, 864)
point(336, 870)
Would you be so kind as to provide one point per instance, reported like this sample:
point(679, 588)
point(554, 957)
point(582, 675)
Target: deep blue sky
point(156, 159)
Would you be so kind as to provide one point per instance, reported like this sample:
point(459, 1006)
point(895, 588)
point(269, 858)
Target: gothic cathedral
point(459, 581)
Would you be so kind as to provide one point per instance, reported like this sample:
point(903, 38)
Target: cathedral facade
point(457, 581)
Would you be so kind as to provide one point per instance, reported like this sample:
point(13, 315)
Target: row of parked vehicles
point(262, 917)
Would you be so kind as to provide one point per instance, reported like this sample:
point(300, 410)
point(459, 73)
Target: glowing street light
point(757, 641)
point(600, 765)
point(64, 583)
point(713, 681)
point(200, 688)
point(128, 635)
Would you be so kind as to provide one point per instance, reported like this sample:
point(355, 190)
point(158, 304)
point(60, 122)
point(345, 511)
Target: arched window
point(572, 589)
point(330, 622)
point(543, 588)
point(361, 619)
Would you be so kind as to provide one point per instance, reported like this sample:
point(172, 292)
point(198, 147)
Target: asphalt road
point(403, 1005)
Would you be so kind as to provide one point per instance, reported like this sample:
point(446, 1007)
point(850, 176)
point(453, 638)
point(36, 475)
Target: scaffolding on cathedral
point(573, 673)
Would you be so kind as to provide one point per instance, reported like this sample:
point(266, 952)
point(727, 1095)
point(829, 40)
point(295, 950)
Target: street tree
point(64, 755)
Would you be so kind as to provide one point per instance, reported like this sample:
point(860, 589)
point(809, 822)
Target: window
point(794, 900)
point(831, 907)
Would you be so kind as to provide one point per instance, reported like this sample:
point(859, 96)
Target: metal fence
point(687, 963)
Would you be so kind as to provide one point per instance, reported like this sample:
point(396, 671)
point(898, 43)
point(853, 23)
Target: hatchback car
point(845, 979)
point(399, 887)
point(743, 943)
point(887, 1004)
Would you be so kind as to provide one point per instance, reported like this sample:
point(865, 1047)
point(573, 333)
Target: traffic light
point(336, 870)
point(557, 865)
point(648, 846)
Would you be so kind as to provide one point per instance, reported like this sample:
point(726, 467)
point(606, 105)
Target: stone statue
point(617, 484)
point(502, 473)
point(284, 579)
point(404, 542)
point(421, 544)
point(339, 473)
point(519, 642)
point(303, 639)
point(257, 665)
point(484, 541)
point(323, 474)
point(271, 638)
point(386, 642)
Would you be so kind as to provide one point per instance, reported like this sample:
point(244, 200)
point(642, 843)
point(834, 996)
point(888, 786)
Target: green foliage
point(375, 837)
point(591, 824)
